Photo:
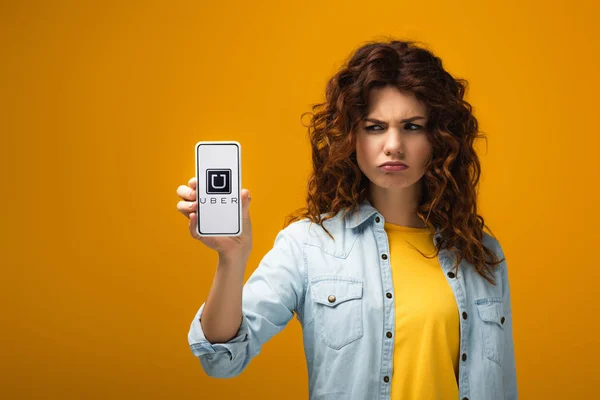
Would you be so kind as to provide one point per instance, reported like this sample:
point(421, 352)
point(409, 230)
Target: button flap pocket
point(491, 309)
point(331, 291)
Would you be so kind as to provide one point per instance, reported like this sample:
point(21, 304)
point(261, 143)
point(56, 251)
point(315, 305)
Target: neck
point(398, 206)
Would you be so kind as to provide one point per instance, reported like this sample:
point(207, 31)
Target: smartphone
point(219, 180)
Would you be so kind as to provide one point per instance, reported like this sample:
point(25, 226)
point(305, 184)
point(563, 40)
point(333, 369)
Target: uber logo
point(218, 181)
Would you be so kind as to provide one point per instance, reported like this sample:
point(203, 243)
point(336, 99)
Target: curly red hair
point(449, 197)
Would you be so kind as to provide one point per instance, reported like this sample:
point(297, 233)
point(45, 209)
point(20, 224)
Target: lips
point(394, 164)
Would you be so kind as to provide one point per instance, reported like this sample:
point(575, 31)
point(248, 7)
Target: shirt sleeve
point(269, 298)
point(509, 366)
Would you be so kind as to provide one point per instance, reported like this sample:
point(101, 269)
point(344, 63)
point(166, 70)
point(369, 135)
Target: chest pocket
point(491, 312)
point(338, 309)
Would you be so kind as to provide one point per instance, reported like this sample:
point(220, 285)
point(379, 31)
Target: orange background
point(103, 102)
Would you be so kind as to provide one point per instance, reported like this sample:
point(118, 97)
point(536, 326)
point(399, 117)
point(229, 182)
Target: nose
point(394, 142)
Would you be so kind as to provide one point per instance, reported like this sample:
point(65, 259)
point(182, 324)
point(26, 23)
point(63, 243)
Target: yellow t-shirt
point(426, 341)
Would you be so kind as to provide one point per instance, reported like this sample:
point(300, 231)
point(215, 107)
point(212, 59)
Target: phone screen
point(218, 174)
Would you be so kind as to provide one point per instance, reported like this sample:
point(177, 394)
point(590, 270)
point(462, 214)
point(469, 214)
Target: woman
point(400, 293)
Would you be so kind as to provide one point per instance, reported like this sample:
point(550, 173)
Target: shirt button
point(388, 295)
point(377, 219)
point(331, 298)
point(389, 335)
point(502, 320)
point(451, 274)
point(386, 379)
point(464, 357)
point(464, 315)
point(384, 256)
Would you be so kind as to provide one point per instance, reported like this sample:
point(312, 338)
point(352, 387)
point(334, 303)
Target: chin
point(394, 182)
point(393, 185)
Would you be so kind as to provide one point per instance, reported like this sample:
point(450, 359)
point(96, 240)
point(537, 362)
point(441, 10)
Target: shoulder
point(493, 244)
point(312, 237)
point(305, 231)
point(500, 270)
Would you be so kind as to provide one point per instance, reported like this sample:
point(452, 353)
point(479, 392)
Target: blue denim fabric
point(347, 353)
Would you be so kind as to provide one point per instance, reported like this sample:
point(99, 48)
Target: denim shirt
point(343, 296)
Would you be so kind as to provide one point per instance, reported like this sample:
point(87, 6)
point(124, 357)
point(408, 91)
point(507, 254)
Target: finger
point(192, 182)
point(192, 225)
point(245, 194)
point(186, 193)
point(186, 207)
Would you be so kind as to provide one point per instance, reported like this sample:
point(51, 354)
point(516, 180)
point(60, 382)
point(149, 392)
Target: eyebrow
point(376, 121)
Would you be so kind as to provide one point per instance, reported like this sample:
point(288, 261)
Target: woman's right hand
point(230, 247)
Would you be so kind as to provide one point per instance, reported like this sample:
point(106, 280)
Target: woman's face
point(394, 130)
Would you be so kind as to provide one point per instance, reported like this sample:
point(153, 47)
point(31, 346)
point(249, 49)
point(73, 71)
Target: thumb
point(245, 194)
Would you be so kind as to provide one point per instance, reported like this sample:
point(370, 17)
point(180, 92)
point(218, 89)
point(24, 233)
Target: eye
point(415, 127)
point(371, 128)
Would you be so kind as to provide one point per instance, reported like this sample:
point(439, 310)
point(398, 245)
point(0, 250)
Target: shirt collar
point(365, 211)
point(357, 216)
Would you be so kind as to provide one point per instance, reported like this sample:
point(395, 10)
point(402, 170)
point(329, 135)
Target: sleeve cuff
point(202, 347)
